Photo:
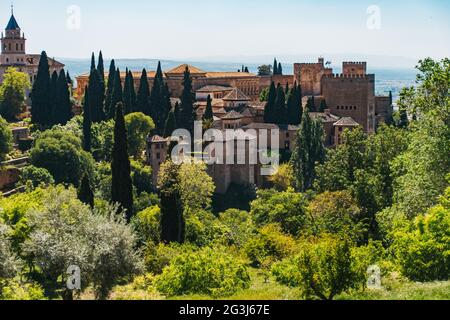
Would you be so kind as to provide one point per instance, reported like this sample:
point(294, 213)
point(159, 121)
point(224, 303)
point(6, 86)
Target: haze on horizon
point(219, 30)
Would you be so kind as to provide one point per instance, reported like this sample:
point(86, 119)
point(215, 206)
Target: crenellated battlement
point(343, 76)
point(362, 63)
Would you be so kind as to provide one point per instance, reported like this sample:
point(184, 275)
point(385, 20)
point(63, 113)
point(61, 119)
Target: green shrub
point(147, 225)
point(238, 227)
point(206, 271)
point(423, 250)
point(159, 256)
point(36, 176)
point(15, 290)
point(270, 242)
point(324, 268)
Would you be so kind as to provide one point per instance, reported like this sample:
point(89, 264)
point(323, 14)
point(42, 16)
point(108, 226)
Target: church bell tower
point(13, 44)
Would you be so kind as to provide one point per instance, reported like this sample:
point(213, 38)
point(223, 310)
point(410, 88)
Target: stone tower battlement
point(352, 76)
point(359, 68)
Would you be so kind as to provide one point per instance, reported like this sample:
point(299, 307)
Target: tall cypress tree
point(177, 113)
point(269, 111)
point(311, 105)
point(157, 101)
point(121, 187)
point(116, 96)
point(280, 68)
point(208, 115)
point(110, 86)
point(280, 106)
point(40, 94)
point(87, 123)
point(309, 150)
point(246, 70)
point(143, 95)
point(173, 224)
point(187, 114)
point(51, 108)
point(127, 94)
point(133, 96)
point(101, 66)
point(85, 193)
point(275, 66)
point(171, 124)
point(323, 105)
point(96, 96)
point(62, 111)
point(92, 61)
point(294, 106)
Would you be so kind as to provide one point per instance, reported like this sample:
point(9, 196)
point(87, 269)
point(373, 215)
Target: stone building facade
point(13, 53)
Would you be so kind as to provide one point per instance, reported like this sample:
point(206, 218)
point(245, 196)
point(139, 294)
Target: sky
point(231, 29)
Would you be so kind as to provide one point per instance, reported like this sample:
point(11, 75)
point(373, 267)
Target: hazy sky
point(176, 29)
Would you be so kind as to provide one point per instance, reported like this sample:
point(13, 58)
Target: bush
point(207, 271)
point(62, 155)
point(147, 225)
point(142, 177)
point(238, 227)
point(269, 243)
point(286, 208)
point(323, 269)
point(36, 176)
point(6, 139)
point(157, 257)
point(423, 249)
point(9, 263)
point(15, 290)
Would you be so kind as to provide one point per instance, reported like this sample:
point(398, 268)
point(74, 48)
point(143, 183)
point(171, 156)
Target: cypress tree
point(96, 96)
point(69, 79)
point(269, 111)
point(280, 68)
point(275, 66)
point(309, 150)
point(62, 111)
point(127, 94)
point(280, 106)
point(311, 105)
point(121, 187)
point(143, 95)
point(323, 105)
point(110, 86)
point(101, 66)
point(171, 124)
point(177, 113)
point(92, 61)
point(87, 123)
point(116, 96)
point(172, 218)
point(246, 70)
point(133, 96)
point(51, 108)
point(40, 95)
point(208, 115)
point(187, 114)
point(85, 193)
point(294, 106)
point(403, 122)
point(157, 102)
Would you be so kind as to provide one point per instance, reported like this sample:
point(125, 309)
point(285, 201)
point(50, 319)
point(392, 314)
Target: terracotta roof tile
point(236, 95)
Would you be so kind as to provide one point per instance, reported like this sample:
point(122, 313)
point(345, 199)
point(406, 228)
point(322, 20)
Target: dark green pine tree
point(96, 90)
point(280, 106)
point(116, 96)
point(92, 61)
point(280, 68)
point(246, 70)
point(62, 112)
point(40, 95)
point(85, 193)
point(143, 95)
point(121, 186)
point(87, 123)
point(391, 100)
point(110, 86)
point(187, 114)
point(275, 66)
point(208, 115)
point(294, 106)
point(171, 124)
point(309, 150)
point(269, 111)
point(323, 105)
point(101, 66)
point(133, 93)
